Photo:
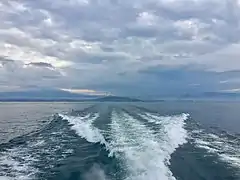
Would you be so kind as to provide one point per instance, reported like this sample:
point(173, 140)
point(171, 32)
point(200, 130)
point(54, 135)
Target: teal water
point(122, 141)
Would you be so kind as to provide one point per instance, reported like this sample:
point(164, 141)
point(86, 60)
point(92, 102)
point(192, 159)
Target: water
point(120, 141)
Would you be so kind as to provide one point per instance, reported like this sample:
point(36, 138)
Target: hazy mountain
point(213, 95)
point(59, 95)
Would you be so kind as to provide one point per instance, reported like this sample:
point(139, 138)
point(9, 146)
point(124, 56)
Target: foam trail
point(20, 162)
point(24, 161)
point(172, 132)
point(226, 149)
point(143, 154)
point(96, 172)
point(83, 126)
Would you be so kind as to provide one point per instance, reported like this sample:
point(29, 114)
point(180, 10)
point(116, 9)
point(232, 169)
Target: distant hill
point(59, 95)
point(213, 95)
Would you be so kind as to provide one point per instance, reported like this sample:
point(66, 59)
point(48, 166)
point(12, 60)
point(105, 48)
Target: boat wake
point(145, 153)
point(140, 144)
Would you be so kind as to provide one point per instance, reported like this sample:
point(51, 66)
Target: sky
point(121, 47)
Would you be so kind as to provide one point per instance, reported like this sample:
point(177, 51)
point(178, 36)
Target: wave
point(143, 152)
point(141, 143)
point(172, 132)
point(42, 151)
point(17, 163)
point(227, 149)
point(30, 156)
point(27, 161)
point(83, 126)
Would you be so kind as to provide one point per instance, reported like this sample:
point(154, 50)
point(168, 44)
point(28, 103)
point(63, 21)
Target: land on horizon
point(58, 96)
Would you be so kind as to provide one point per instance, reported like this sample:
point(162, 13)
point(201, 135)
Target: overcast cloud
point(137, 47)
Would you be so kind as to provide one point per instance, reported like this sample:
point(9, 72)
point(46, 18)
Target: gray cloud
point(41, 64)
point(111, 44)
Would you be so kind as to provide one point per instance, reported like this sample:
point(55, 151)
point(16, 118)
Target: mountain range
point(60, 95)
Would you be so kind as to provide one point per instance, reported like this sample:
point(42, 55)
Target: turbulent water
point(121, 142)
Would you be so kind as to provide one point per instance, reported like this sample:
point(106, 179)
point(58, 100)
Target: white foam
point(83, 126)
point(96, 172)
point(5, 178)
point(172, 132)
point(79, 117)
point(19, 162)
point(38, 143)
point(227, 150)
point(144, 153)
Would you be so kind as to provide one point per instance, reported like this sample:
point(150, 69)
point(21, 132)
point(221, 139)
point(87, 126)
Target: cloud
point(85, 91)
point(40, 64)
point(232, 90)
point(116, 46)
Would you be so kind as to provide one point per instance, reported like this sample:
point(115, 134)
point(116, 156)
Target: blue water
point(122, 141)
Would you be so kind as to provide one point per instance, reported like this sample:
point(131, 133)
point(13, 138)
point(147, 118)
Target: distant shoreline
point(102, 101)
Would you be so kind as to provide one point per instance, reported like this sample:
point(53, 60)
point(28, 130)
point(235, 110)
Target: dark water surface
point(120, 141)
